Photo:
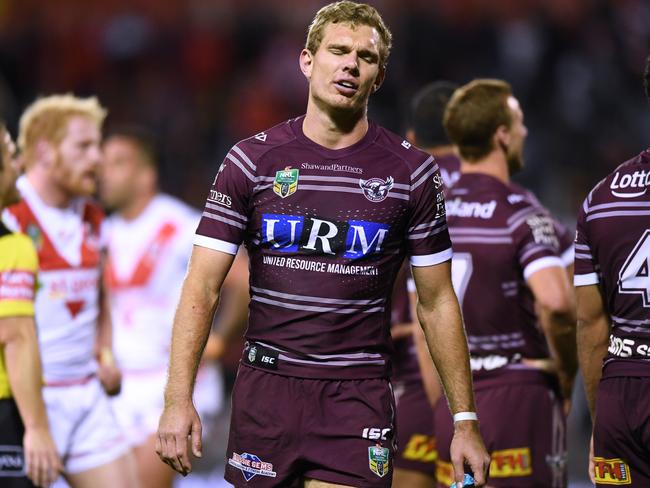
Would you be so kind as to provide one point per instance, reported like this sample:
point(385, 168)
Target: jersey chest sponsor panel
point(66, 304)
point(326, 233)
point(147, 260)
point(613, 250)
point(499, 241)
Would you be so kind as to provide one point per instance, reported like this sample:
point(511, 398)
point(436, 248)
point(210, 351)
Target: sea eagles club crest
point(286, 182)
point(376, 189)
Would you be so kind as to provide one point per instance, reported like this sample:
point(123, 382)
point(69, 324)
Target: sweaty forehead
point(81, 127)
point(353, 34)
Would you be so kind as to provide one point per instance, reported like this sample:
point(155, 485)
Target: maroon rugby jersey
point(449, 165)
point(326, 232)
point(500, 239)
point(613, 250)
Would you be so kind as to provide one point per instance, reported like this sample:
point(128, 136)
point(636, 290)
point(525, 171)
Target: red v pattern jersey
point(326, 232)
point(66, 305)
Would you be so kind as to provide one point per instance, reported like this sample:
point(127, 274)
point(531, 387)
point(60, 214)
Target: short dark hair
point(427, 111)
point(646, 78)
point(144, 139)
point(474, 114)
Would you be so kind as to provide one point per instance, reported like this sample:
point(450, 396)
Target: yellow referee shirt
point(18, 266)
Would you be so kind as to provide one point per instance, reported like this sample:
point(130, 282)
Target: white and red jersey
point(67, 299)
point(147, 261)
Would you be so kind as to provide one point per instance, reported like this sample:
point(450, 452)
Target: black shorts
point(12, 461)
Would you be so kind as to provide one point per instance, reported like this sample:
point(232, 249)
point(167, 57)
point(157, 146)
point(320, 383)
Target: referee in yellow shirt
point(28, 455)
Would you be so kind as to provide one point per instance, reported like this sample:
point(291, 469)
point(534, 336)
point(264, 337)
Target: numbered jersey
point(501, 237)
point(66, 306)
point(613, 250)
point(147, 260)
point(326, 232)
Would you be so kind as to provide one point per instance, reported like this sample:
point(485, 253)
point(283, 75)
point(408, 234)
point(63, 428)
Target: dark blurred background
point(206, 73)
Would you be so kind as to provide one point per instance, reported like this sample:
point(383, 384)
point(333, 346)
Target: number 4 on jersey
point(634, 277)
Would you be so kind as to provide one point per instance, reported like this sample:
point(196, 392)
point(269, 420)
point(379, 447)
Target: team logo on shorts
point(286, 182)
point(511, 462)
point(375, 189)
point(378, 459)
point(612, 471)
point(252, 354)
point(250, 465)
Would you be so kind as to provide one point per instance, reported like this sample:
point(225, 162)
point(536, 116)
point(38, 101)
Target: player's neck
point(136, 207)
point(49, 192)
point(440, 151)
point(334, 130)
point(494, 164)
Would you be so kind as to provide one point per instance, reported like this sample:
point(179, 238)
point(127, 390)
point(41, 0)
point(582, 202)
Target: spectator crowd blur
point(205, 73)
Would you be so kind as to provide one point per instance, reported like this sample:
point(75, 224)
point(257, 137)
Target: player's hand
point(43, 465)
point(177, 423)
point(110, 378)
point(467, 448)
point(592, 464)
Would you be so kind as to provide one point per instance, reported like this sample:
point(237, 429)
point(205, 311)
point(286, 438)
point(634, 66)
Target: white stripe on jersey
point(586, 279)
point(431, 259)
point(542, 263)
point(216, 244)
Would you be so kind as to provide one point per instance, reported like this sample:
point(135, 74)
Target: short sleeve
point(428, 240)
point(565, 238)
point(18, 267)
point(585, 271)
point(537, 243)
point(225, 216)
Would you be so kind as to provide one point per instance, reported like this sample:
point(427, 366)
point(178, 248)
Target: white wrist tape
point(458, 417)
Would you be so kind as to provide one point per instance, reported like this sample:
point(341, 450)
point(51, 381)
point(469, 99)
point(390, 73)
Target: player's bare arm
point(22, 358)
point(199, 298)
point(439, 315)
point(554, 297)
point(430, 379)
point(593, 339)
point(108, 372)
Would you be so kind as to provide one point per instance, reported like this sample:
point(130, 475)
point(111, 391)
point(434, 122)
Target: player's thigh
point(406, 478)
point(97, 439)
point(152, 472)
point(119, 472)
point(622, 432)
point(309, 483)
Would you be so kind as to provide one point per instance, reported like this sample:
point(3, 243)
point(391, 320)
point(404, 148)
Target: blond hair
point(351, 13)
point(47, 118)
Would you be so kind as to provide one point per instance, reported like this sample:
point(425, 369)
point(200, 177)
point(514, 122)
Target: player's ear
point(45, 153)
point(306, 62)
point(380, 78)
point(502, 136)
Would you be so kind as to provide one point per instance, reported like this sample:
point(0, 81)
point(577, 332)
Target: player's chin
point(85, 187)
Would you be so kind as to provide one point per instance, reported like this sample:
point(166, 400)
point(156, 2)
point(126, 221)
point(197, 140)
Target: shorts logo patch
point(511, 462)
point(444, 473)
point(378, 460)
point(11, 461)
point(252, 354)
point(612, 471)
point(286, 182)
point(250, 465)
point(421, 448)
point(376, 189)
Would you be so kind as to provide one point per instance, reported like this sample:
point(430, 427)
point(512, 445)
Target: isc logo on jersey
point(311, 235)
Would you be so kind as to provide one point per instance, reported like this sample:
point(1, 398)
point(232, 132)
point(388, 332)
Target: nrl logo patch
point(376, 189)
point(378, 460)
point(286, 182)
point(252, 354)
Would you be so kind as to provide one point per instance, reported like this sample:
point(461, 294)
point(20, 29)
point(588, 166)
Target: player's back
point(613, 249)
point(147, 260)
point(500, 238)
